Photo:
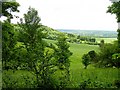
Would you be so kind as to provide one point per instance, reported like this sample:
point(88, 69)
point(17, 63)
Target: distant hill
point(91, 33)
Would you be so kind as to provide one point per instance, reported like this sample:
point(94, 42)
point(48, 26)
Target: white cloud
point(72, 14)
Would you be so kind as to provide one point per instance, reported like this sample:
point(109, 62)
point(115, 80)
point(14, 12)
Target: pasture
point(99, 77)
point(107, 40)
point(103, 76)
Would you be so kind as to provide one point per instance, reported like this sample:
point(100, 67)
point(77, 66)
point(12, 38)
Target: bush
point(18, 79)
point(86, 60)
point(105, 57)
point(95, 84)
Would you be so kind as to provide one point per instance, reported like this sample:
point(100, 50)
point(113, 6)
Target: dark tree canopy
point(115, 9)
point(8, 7)
point(8, 34)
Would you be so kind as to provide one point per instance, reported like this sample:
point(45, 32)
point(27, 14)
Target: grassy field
point(101, 77)
point(78, 50)
point(107, 40)
point(79, 74)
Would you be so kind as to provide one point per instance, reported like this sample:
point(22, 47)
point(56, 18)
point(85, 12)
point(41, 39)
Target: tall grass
point(104, 76)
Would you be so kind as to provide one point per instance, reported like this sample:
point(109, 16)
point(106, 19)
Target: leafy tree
point(86, 60)
point(8, 35)
point(35, 59)
point(8, 44)
point(90, 58)
point(92, 40)
point(8, 8)
point(93, 56)
point(102, 43)
point(71, 35)
point(78, 37)
point(62, 54)
point(116, 59)
point(105, 55)
point(115, 9)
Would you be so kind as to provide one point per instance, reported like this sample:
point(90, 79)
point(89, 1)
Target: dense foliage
point(86, 60)
point(62, 54)
point(25, 49)
point(30, 36)
point(8, 8)
point(9, 39)
point(8, 45)
point(106, 54)
point(115, 9)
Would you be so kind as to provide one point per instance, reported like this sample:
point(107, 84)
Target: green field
point(79, 74)
point(78, 50)
point(107, 40)
point(101, 77)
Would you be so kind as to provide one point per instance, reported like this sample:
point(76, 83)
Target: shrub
point(86, 60)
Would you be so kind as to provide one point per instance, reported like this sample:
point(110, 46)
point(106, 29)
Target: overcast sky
point(72, 14)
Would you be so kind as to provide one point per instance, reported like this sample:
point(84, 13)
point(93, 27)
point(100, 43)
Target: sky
point(72, 14)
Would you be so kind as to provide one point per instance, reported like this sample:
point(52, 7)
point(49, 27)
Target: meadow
point(107, 40)
point(101, 76)
point(94, 77)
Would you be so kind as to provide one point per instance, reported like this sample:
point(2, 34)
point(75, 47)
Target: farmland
point(107, 40)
